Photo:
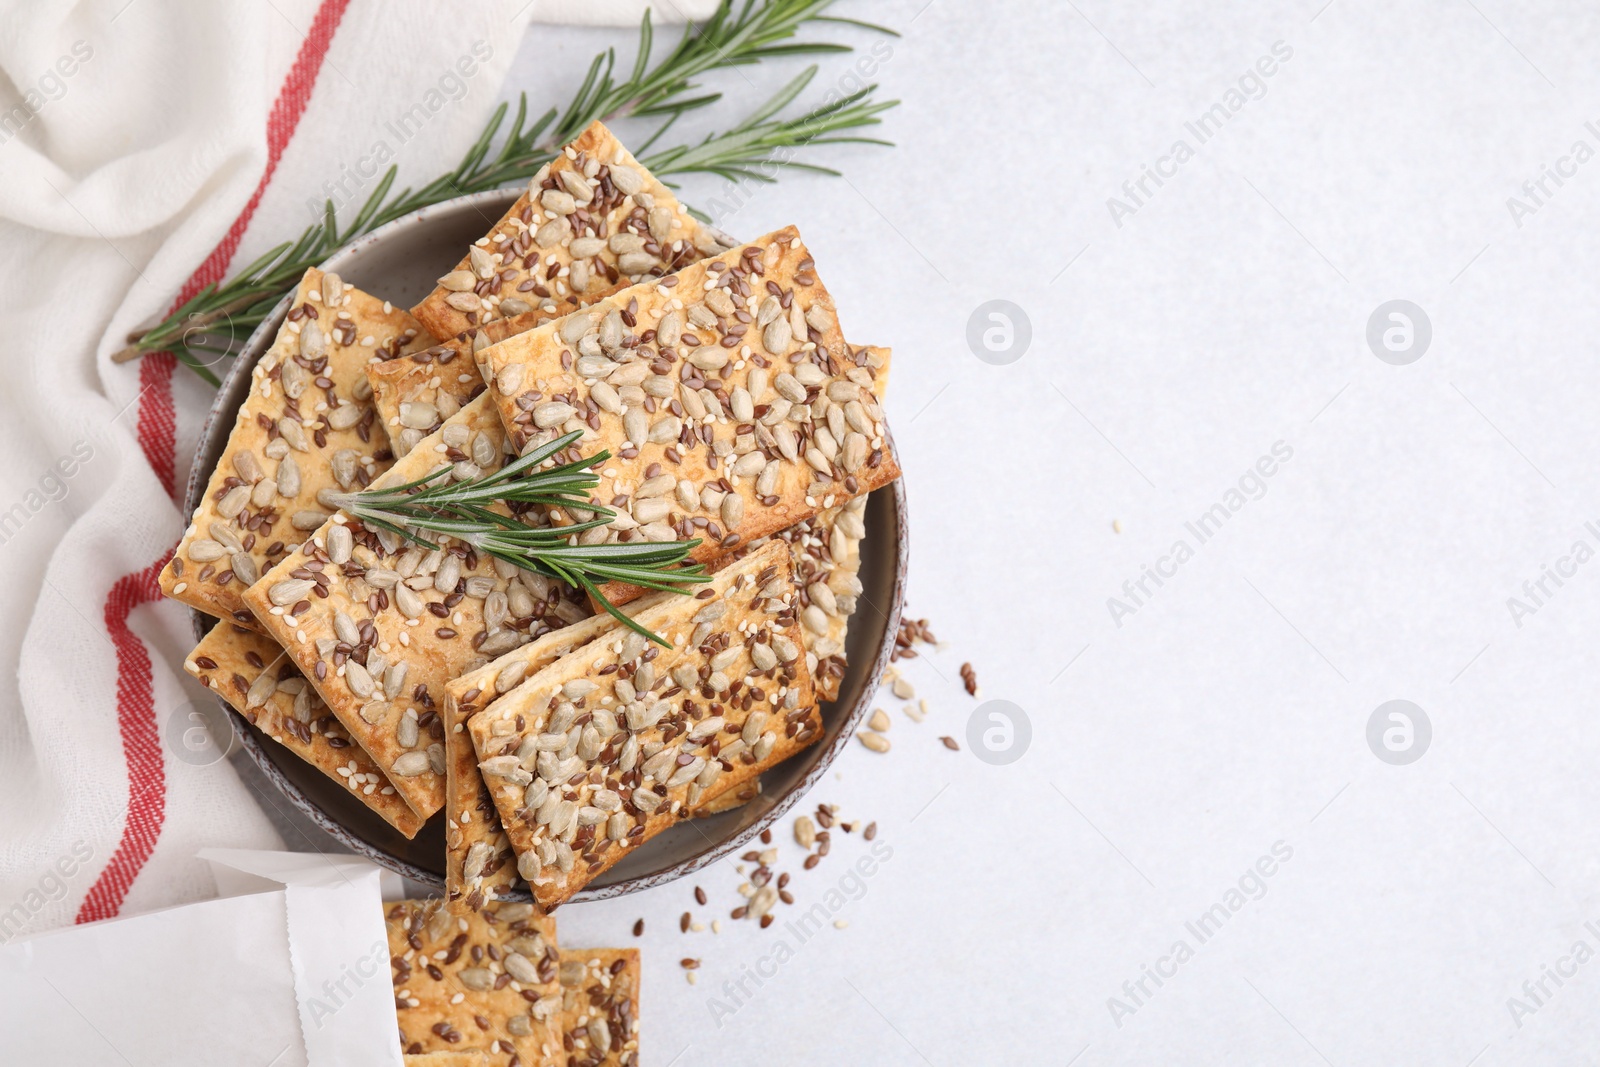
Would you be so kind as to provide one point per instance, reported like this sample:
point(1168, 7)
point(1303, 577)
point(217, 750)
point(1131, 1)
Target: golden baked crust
point(403, 660)
point(231, 660)
point(615, 742)
point(827, 551)
point(415, 393)
point(592, 221)
point(290, 441)
point(725, 393)
point(472, 1057)
point(484, 981)
point(600, 1007)
point(479, 863)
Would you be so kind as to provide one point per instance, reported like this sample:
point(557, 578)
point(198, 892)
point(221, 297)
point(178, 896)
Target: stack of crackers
point(490, 988)
point(429, 678)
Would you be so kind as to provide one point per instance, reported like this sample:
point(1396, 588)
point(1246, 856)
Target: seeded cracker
point(379, 626)
point(469, 1058)
point(734, 798)
point(827, 562)
point(486, 980)
point(305, 427)
point(252, 673)
point(726, 394)
point(600, 1007)
point(592, 221)
point(479, 863)
point(414, 394)
point(617, 741)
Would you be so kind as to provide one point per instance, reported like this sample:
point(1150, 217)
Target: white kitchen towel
point(148, 147)
point(290, 967)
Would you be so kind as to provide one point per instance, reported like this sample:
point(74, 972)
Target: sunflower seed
point(340, 544)
point(291, 431)
point(477, 979)
point(289, 591)
point(233, 501)
point(549, 415)
point(528, 868)
point(418, 414)
point(577, 186)
point(344, 628)
point(260, 690)
point(552, 233)
point(557, 201)
point(509, 380)
point(357, 678)
point(477, 858)
point(686, 773)
point(459, 281)
point(481, 261)
point(204, 550)
point(635, 263)
point(406, 733)
point(776, 337)
point(635, 426)
point(411, 764)
point(313, 342)
point(394, 679)
point(345, 416)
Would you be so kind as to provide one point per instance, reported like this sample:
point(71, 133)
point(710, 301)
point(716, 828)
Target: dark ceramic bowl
point(400, 262)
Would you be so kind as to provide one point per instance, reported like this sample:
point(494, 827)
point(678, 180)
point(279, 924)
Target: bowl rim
point(244, 363)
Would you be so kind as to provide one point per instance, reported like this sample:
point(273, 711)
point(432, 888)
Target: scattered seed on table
point(970, 678)
point(683, 923)
point(716, 926)
point(689, 963)
point(690, 976)
point(876, 742)
point(879, 720)
point(903, 690)
point(870, 832)
point(699, 896)
point(766, 920)
point(811, 861)
point(766, 837)
point(805, 832)
point(913, 714)
point(786, 896)
point(950, 743)
point(738, 913)
point(638, 928)
point(840, 924)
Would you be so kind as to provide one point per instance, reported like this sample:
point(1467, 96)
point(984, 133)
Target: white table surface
point(1229, 713)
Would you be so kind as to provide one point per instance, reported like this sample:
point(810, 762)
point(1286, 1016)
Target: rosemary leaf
point(432, 506)
point(737, 34)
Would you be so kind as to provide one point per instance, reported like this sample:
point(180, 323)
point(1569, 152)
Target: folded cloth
point(147, 148)
point(290, 965)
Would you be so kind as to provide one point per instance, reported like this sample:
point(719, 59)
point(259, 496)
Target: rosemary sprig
point(433, 506)
point(220, 317)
